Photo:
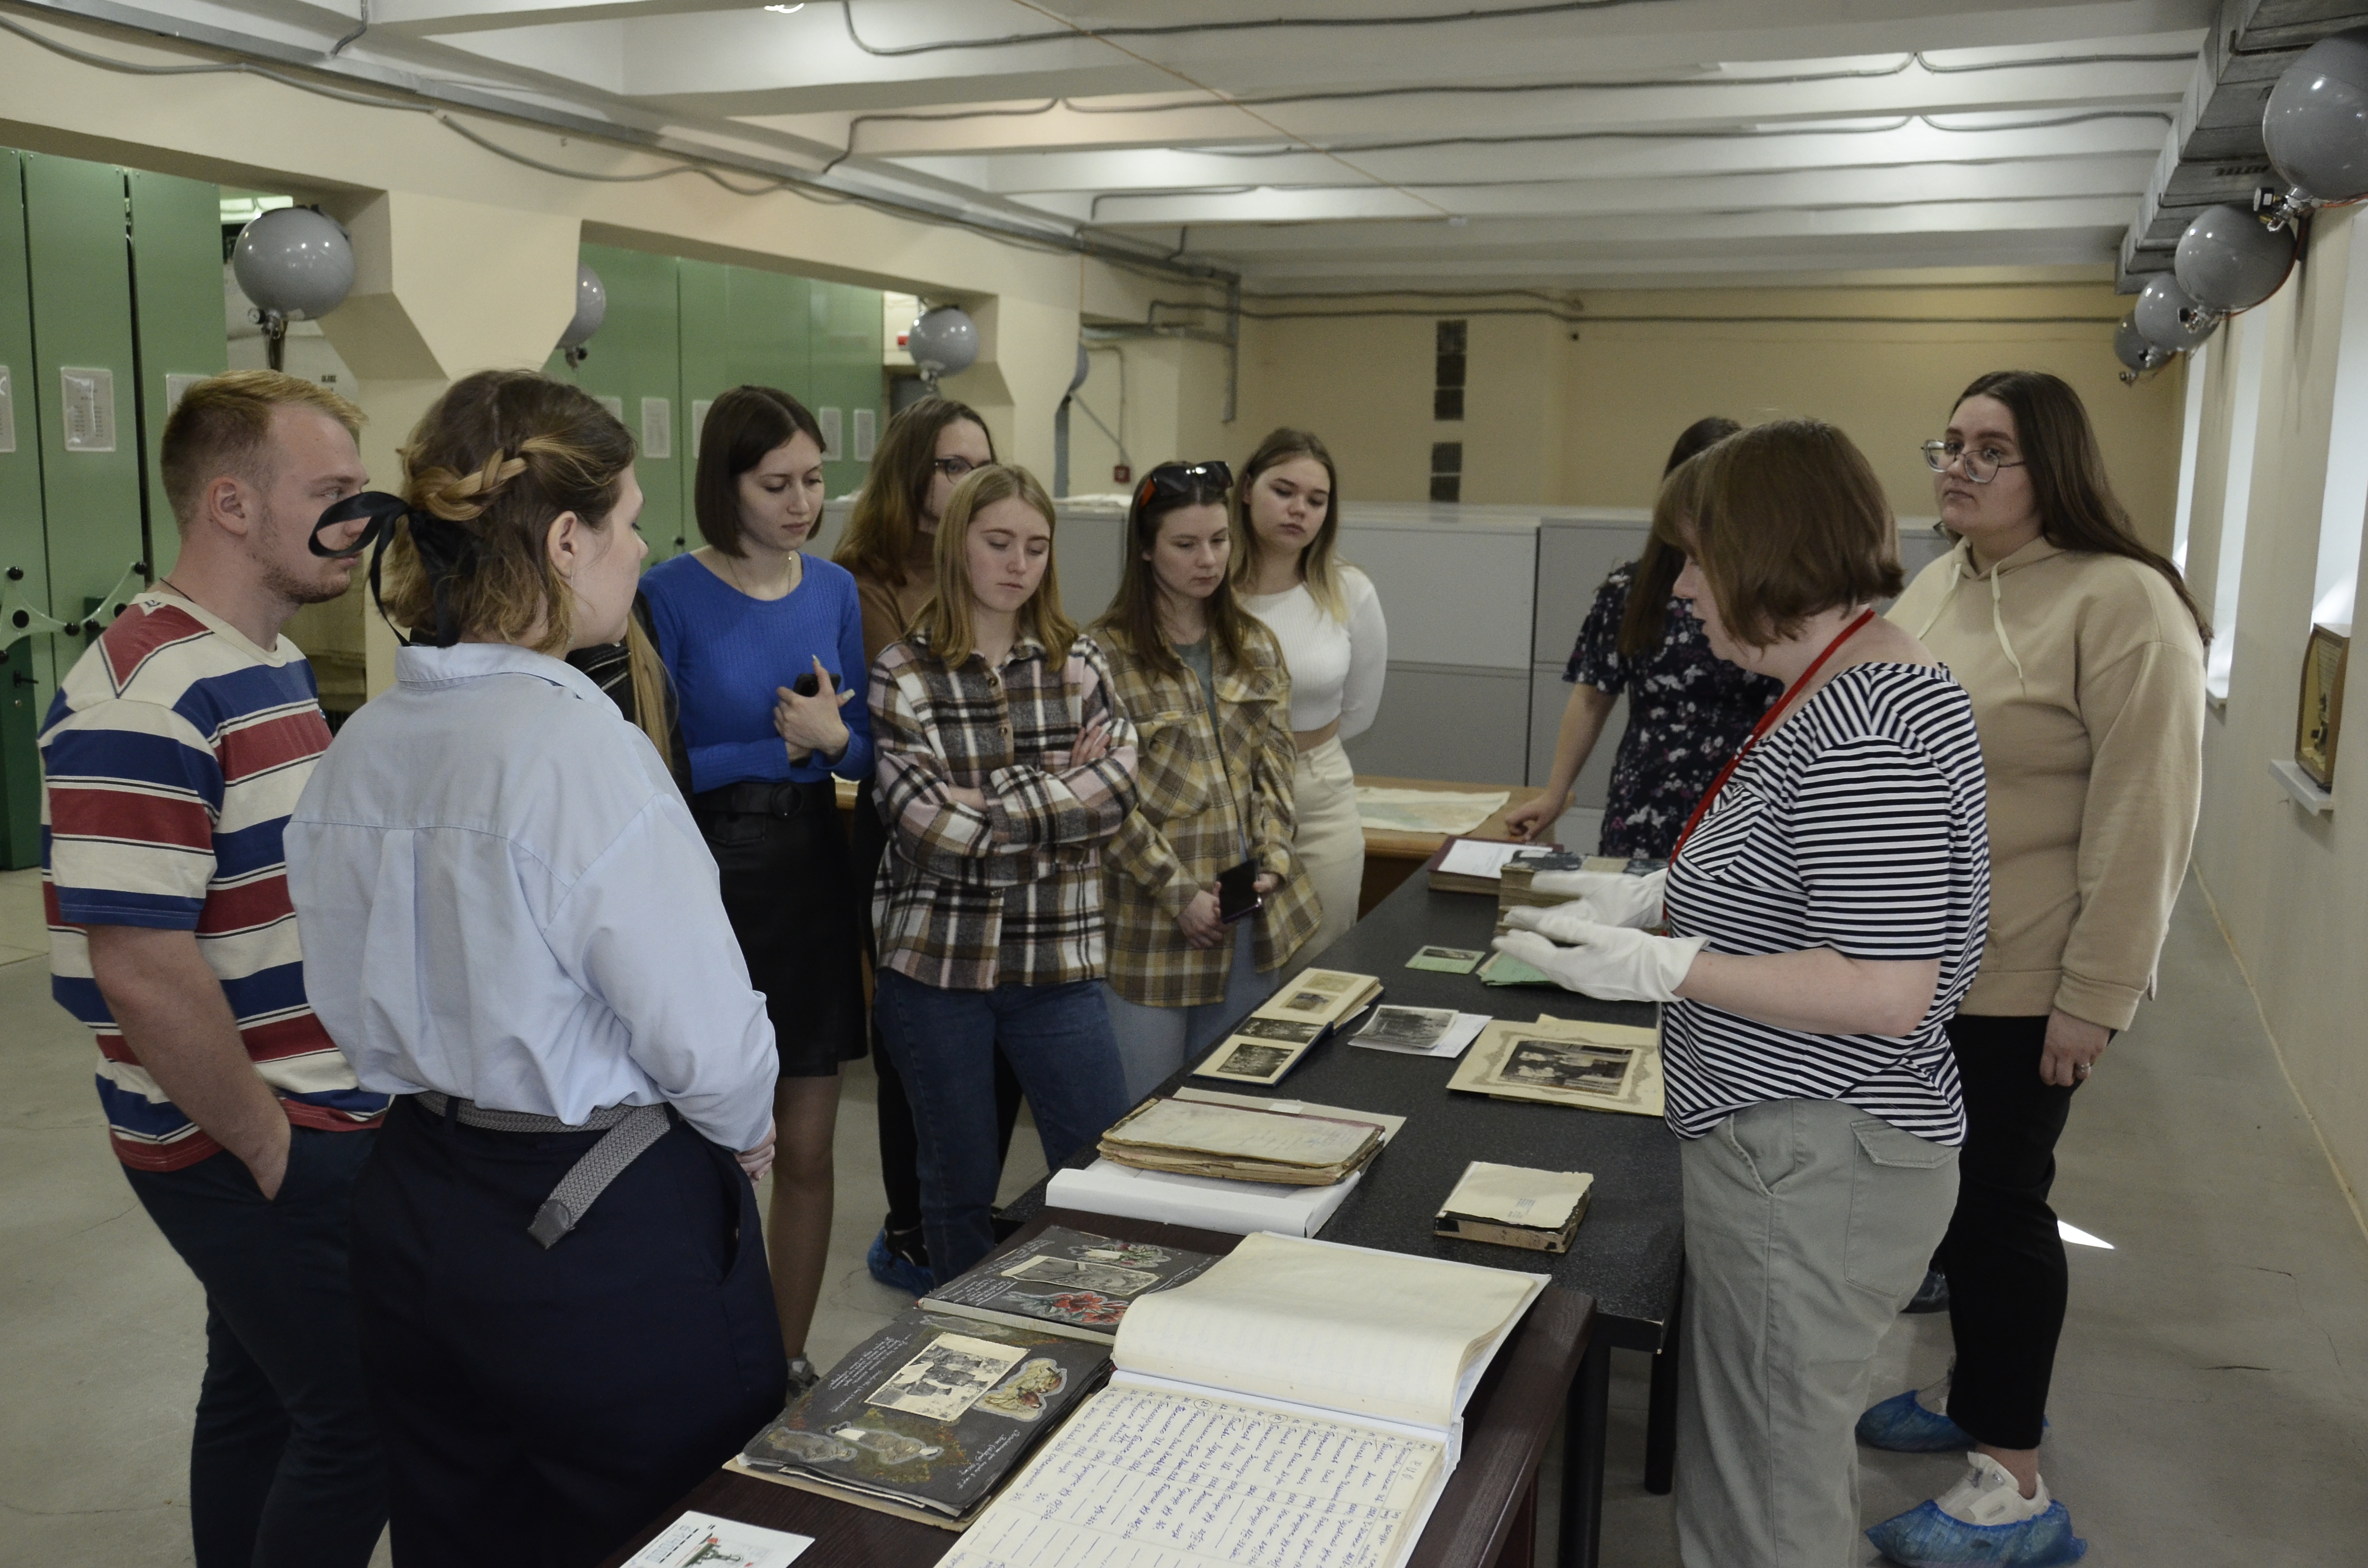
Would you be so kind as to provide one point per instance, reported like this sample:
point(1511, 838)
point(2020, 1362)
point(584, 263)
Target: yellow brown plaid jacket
point(1207, 783)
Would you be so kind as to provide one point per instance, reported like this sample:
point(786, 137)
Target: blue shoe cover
point(1925, 1538)
point(1900, 1426)
point(896, 1271)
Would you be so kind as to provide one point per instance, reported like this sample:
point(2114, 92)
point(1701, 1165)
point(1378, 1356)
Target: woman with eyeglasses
point(2083, 653)
point(1335, 646)
point(891, 547)
point(1687, 709)
point(1005, 766)
point(1205, 684)
point(764, 648)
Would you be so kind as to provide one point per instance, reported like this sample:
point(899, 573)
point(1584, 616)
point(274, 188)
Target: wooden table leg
point(1661, 1406)
point(1582, 1462)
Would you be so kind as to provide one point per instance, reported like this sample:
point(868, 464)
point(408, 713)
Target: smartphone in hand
point(807, 685)
point(1237, 894)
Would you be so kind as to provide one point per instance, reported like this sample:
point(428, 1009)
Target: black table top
point(1629, 1249)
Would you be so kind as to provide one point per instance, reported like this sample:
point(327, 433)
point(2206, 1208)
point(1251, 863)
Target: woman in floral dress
point(1687, 709)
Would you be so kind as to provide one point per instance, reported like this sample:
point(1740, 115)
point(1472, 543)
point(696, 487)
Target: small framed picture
point(2320, 719)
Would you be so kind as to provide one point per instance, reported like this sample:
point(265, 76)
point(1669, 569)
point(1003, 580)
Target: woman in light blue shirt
point(511, 923)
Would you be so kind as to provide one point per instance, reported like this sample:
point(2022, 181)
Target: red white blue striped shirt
point(170, 760)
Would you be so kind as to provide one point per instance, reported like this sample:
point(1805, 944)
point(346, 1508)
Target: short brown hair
point(741, 426)
point(944, 623)
point(498, 456)
point(222, 426)
point(1786, 520)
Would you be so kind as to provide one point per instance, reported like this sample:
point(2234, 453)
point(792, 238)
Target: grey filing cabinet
point(1458, 588)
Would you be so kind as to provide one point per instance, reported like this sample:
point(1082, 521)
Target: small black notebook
point(1066, 1281)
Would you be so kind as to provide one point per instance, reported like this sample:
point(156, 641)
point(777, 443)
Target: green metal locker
point(25, 672)
point(177, 275)
point(844, 386)
point(86, 373)
point(740, 326)
point(635, 366)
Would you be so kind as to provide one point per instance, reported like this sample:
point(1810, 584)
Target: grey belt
point(627, 1131)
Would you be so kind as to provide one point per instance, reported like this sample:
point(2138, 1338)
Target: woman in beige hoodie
point(2084, 655)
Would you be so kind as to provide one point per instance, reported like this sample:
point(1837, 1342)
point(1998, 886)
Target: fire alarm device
point(1121, 474)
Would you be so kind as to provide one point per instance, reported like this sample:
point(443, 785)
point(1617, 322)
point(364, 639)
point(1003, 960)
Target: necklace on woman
point(787, 582)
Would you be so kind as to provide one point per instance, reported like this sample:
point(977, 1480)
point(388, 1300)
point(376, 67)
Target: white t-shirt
point(1336, 667)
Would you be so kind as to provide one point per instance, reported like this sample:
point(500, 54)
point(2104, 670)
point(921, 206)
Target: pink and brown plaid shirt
point(968, 899)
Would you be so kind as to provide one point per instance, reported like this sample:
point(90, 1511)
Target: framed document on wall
point(2320, 719)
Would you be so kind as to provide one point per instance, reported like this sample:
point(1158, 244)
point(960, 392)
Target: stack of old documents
point(1239, 1143)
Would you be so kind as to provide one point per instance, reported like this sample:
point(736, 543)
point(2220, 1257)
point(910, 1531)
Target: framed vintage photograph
point(2320, 719)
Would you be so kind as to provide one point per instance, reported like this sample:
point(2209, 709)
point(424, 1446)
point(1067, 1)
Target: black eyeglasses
point(955, 468)
point(1981, 467)
point(1183, 479)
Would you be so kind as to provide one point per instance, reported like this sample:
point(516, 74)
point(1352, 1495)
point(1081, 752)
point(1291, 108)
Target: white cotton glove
point(1611, 963)
point(1607, 898)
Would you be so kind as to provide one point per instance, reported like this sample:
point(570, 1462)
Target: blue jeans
point(284, 1462)
point(1057, 1038)
point(1154, 1042)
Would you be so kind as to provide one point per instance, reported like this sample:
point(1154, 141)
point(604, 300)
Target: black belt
point(627, 1133)
point(754, 798)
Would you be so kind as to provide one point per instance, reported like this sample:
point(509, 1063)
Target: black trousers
point(900, 1147)
point(284, 1461)
point(2003, 1255)
point(538, 1407)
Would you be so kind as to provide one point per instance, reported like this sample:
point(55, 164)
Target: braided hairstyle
point(491, 464)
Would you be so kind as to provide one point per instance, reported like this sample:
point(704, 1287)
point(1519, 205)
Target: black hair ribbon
point(445, 550)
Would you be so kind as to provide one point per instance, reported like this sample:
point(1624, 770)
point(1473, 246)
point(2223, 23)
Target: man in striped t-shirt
point(171, 759)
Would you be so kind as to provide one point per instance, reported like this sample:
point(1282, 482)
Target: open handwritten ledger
point(1301, 1404)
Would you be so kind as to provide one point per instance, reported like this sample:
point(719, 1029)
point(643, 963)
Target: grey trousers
point(1809, 1225)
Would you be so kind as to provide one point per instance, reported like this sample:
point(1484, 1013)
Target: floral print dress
point(1688, 711)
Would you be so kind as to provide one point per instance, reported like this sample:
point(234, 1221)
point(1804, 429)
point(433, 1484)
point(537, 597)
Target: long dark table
point(1629, 1256)
point(1485, 1517)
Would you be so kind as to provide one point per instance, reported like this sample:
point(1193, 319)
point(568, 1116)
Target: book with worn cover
point(1299, 1403)
point(1290, 1146)
point(1066, 1282)
point(926, 1418)
point(1516, 1206)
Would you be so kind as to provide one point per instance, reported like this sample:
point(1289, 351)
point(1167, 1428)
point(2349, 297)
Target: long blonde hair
point(653, 687)
point(944, 623)
point(1319, 562)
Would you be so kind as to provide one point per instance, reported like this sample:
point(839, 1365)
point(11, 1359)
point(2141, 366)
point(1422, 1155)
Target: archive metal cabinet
point(110, 301)
point(679, 333)
point(635, 367)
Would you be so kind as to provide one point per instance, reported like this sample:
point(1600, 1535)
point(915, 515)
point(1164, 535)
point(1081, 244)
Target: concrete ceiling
point(1384, 143)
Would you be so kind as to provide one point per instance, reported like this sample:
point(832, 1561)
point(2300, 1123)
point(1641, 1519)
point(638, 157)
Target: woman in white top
point(1328, 619)
point(512, 924)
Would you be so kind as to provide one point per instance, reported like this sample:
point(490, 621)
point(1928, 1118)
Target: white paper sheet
point(725, 1543)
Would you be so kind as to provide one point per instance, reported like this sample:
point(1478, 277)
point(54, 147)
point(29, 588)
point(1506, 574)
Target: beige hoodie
point(2087, 676)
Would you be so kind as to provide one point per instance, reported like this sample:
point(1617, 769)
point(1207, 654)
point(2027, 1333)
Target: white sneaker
point(1989, 1495)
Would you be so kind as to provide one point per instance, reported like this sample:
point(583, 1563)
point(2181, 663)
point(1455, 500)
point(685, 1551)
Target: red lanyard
point(1767, 723)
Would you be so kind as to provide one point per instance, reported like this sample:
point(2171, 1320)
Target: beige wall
point(1583, 414)
point(2291, 888)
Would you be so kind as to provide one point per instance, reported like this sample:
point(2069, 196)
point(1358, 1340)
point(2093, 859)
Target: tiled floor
point(2211, 1403)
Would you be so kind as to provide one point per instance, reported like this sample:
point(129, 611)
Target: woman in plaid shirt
point(1004, 767)
point(1206, 685)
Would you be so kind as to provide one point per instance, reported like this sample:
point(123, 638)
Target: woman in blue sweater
point(739, 621)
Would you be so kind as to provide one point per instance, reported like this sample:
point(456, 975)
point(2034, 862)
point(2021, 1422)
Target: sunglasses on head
point(1183, 479)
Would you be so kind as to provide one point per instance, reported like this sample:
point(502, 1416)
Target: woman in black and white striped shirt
point(1825, 910)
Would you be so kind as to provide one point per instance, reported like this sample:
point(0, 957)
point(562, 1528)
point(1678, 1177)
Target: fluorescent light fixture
point(788, 11)
point(2080, 1238)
